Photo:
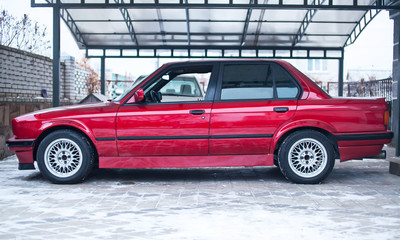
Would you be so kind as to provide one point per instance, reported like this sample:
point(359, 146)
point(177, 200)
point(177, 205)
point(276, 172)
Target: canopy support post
point(103, 75)
point(56, 56)
point(341, 73)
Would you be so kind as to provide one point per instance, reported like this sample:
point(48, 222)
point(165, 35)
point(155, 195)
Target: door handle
point(196, 112)
point(281, 109)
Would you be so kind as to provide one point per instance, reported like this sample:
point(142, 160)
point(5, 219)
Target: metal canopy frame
point(185, 43)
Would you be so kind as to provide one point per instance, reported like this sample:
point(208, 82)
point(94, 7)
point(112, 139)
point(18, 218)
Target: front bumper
point(24, 150)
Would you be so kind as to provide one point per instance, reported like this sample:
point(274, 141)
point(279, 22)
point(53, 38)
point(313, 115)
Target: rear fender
point(298, 125)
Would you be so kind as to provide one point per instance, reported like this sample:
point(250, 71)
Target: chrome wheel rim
point(307, 157)
point(63, 157)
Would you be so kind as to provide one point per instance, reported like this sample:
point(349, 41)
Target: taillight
point(386, 118)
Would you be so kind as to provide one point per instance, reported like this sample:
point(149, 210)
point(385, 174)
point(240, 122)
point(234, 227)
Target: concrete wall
point(22, 77)
point(395, 15)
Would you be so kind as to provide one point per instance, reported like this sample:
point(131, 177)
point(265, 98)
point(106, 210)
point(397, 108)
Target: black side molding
point(241, 136)
point(23, 143)
point(26, 166)
point(195, 137)
point(105, 139)
point(358, 137)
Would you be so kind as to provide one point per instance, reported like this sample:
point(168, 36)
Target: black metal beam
point(341, 74)
point(162, 29)
point(208, 20)
point(128, 21)
point(187, 24)
point(280, 5)
point(306, 21)
point(195, 51)
point(103, 75)
point(259, 24)
point(66, 16)
point(56, 57)
point(221, 34)
point(361, 25)
point(246, 24)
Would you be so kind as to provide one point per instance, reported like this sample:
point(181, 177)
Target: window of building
point(317, 65)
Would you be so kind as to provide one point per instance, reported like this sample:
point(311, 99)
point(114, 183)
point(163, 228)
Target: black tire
point(70, 157)
point(312, 157)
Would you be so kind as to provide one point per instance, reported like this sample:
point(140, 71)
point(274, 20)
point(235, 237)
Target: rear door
point(253, 99)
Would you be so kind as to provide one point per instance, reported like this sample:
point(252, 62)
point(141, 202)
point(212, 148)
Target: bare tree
point(92, 81)
point(23, 34)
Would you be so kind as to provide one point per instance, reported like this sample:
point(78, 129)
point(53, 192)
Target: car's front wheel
point(306, 157)
point(65, 156)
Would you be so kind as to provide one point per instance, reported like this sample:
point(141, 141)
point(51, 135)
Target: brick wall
point(22, 77)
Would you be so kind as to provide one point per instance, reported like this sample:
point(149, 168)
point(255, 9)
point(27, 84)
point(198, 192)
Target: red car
point(253, 113)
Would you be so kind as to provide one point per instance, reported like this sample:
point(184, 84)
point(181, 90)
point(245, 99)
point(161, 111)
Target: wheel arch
point(278, 142)
point(49, 130)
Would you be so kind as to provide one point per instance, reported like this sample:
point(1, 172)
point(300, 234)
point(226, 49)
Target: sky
point(372, 50)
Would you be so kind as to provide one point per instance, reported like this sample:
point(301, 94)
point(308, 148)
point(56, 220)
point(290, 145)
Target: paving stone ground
point(360, 200)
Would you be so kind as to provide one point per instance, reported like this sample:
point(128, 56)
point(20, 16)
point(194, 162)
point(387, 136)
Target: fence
point(376, 88)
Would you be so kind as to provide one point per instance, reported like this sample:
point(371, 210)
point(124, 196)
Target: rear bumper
point(356, 146)
point(23, 149)
point(365, 136)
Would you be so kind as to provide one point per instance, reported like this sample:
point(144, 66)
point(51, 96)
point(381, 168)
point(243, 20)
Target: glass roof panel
point(218, 14)
point(214, 26)
point(175, 27)
point(107, 27)
point(338, 16)
point(143, 14)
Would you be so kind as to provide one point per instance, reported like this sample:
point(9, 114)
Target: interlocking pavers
point(360, 200)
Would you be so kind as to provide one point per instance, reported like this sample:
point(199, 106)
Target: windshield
point(135, 84)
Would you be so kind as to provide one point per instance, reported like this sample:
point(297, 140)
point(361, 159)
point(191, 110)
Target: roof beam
point(246, 24)
point(221, 34)
point(361, 25)
point(223, 51)
point(382, 4)
point(187, 24)
point(215, 20)
point(162, 29)
point(128, 21)
point(259, 24)
point(73, 27)
point(306, 21)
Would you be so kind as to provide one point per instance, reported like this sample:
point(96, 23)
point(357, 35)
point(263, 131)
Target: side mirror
point(137, 97)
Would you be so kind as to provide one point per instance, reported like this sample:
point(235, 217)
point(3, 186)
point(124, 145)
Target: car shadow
point(131, 176)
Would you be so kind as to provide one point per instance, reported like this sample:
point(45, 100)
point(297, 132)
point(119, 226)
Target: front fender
point(66, 122)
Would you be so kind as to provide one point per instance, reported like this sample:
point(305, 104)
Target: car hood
point(71, 111)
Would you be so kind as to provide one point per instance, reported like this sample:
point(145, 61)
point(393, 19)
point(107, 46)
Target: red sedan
point(237, 113)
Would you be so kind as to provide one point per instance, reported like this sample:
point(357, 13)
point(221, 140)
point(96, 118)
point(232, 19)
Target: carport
point(306, 29)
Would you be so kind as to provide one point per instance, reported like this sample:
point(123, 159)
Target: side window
point(184, 84)
point(257, 81)
point(284, 83)
point(247, 82)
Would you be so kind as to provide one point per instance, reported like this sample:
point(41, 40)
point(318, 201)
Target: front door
point(252, 101)
point(174, 118)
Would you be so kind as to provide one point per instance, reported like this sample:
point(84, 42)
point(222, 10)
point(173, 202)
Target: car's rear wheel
point(65, 156)
point(306, 157)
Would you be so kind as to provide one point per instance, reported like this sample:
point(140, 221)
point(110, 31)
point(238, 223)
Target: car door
point(178, 125)
point(253, 99)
